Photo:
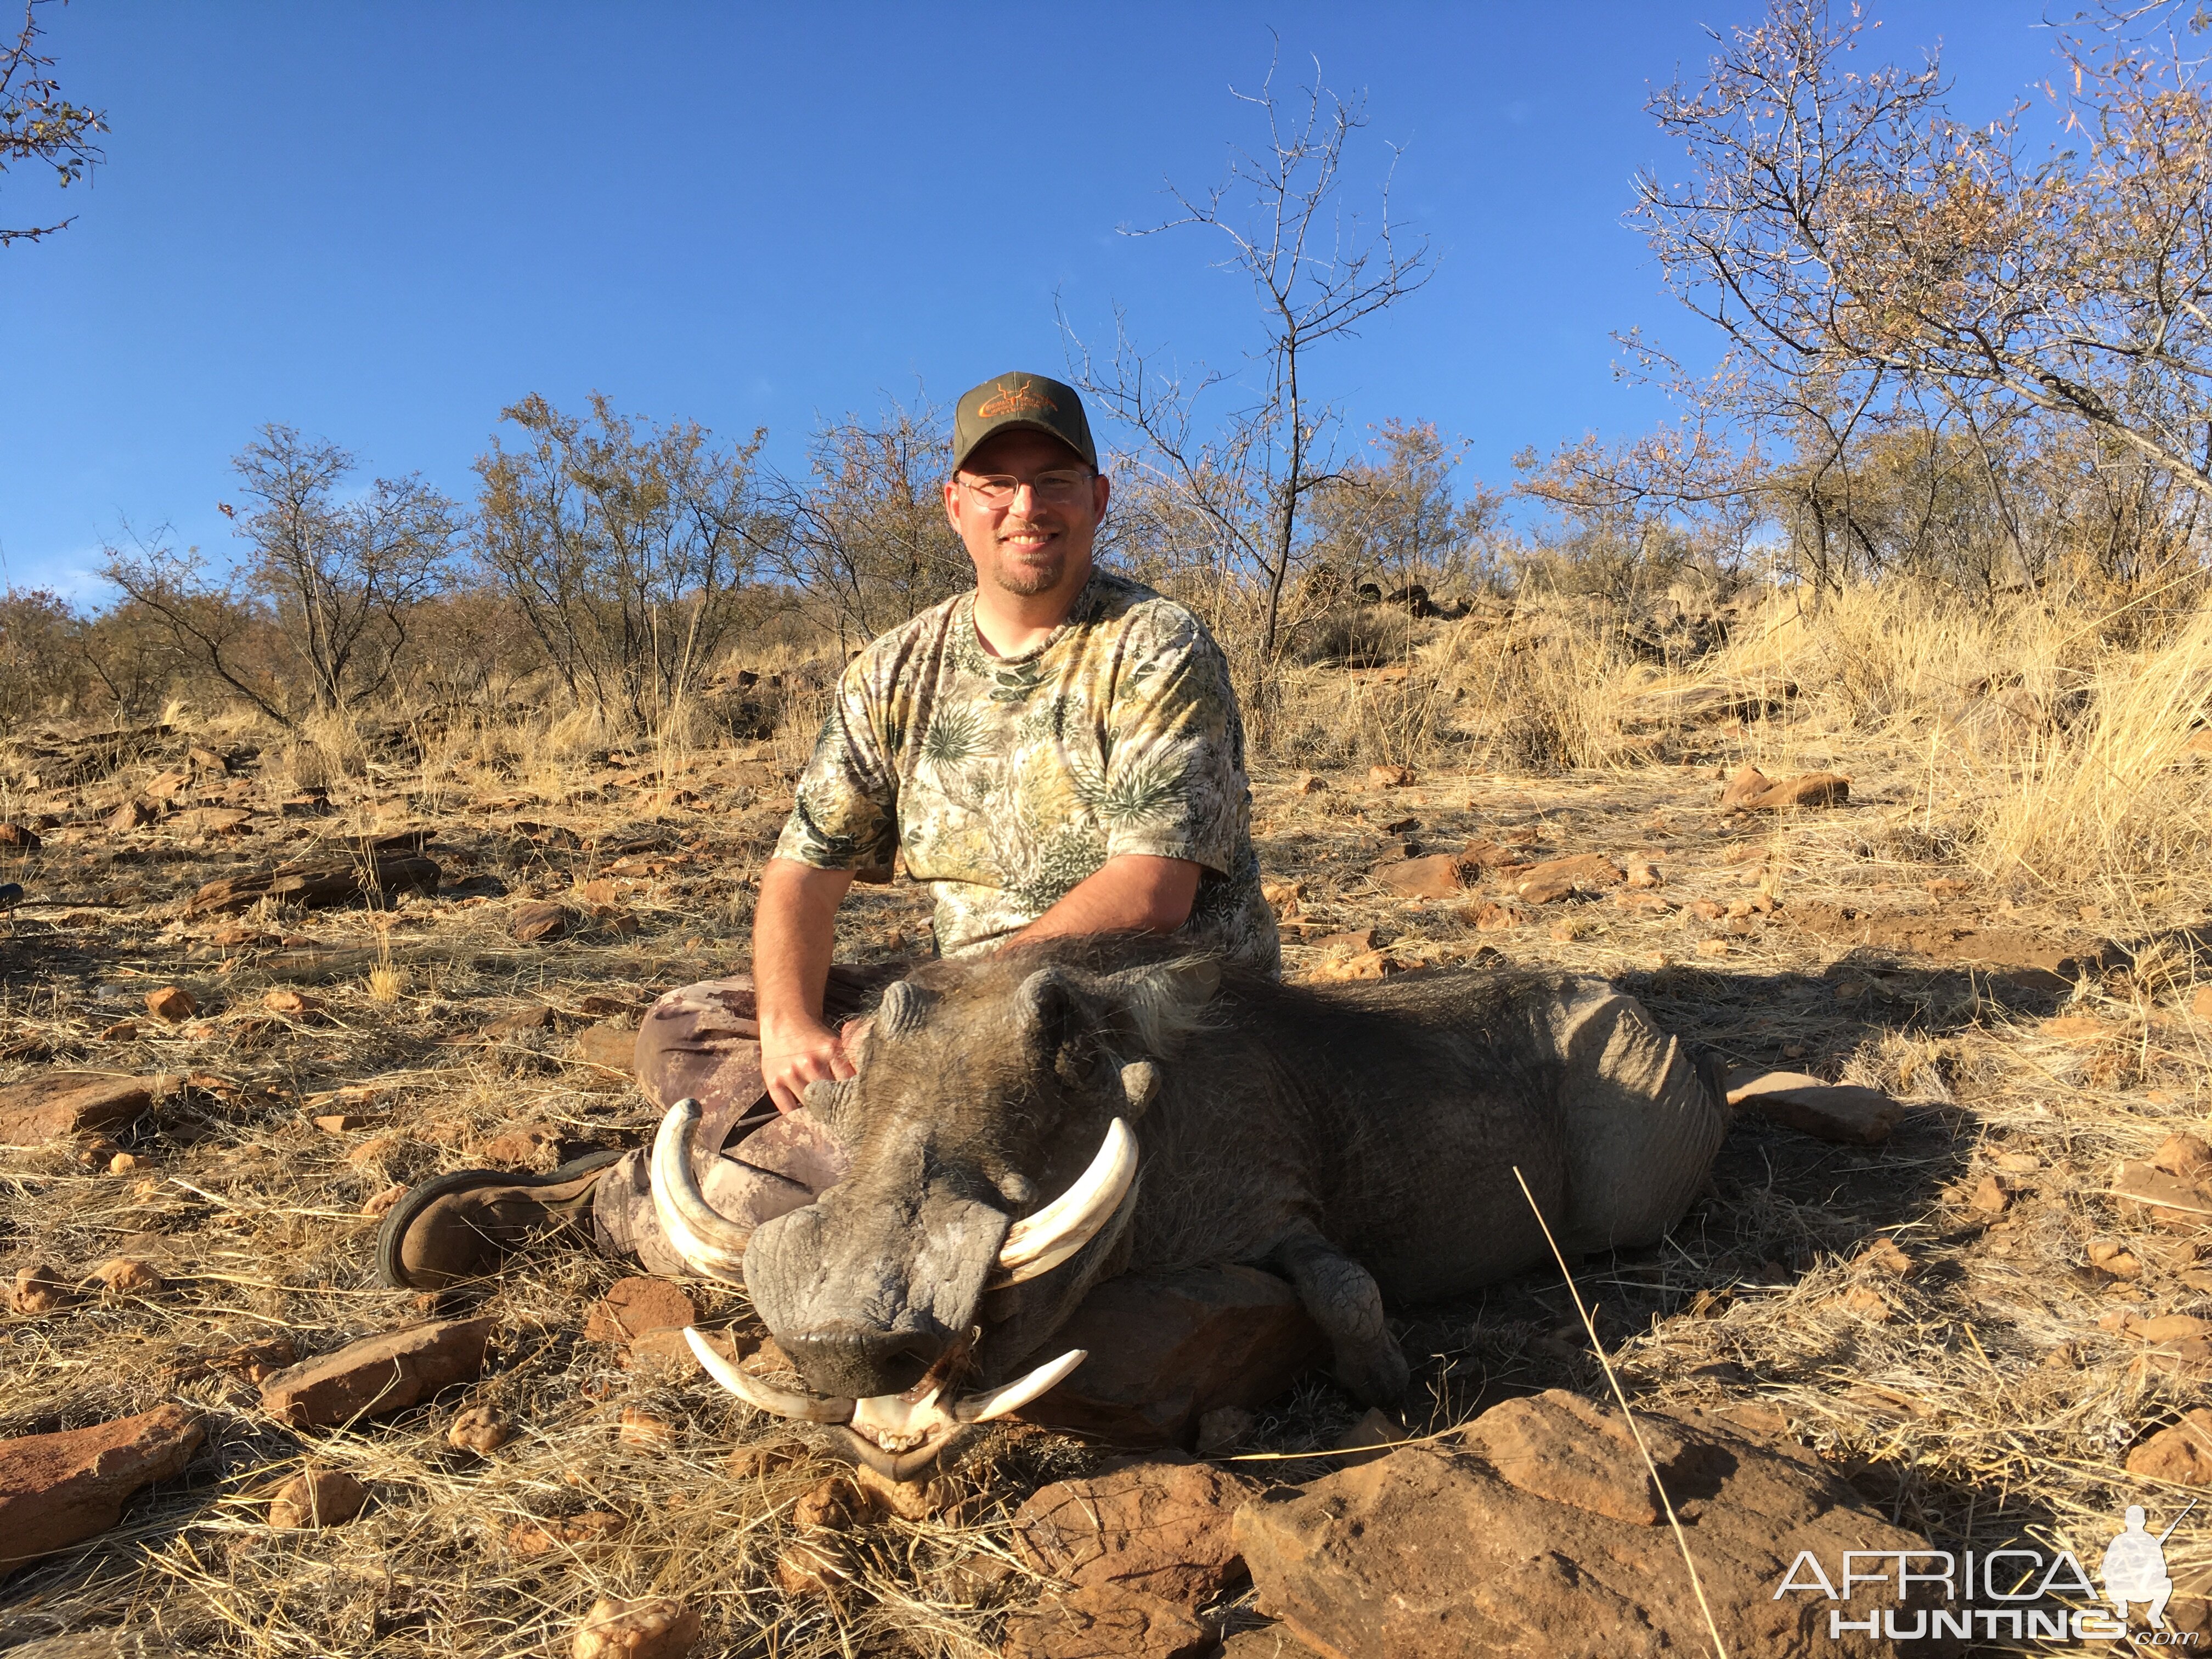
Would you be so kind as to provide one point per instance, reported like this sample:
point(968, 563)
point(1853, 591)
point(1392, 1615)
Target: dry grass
point(1933, 1392)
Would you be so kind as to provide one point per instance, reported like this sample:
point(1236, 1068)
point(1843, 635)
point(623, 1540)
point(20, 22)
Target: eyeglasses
point(1054, 488)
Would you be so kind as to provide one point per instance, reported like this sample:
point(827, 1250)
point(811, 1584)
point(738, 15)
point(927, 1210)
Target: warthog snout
point(844, 1358)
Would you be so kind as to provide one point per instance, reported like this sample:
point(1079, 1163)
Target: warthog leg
point(1346, 1302)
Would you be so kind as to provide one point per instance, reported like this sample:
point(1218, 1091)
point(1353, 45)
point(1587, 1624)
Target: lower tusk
point(706, 1239)
point(897, 1424)
point(982, 1407)
point(765, 1396)
point(1038, 1243)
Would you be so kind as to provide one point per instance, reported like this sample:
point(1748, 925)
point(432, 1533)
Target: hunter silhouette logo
point(1023, 399)
point(2135, 1568)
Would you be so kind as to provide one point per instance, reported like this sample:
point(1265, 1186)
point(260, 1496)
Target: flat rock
point(1104, 1622)
point(57, 1490)
point(540, 921)
point(379, 1374)
point(633, 1307)
point(1434, 1551)
point(1847, 1113)
point(317, 884)
point(52, 1104)
point(1166, 1349)
point(2148, 1193)
point(318, 1498)
point(1752, 790)
point(1439, 875)
point(1160, 1526)
point(614, 1047)
point(1558, 878)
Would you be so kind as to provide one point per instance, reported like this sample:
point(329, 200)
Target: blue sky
point(382, 223)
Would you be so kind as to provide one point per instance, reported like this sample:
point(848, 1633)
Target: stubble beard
point(1025, 574)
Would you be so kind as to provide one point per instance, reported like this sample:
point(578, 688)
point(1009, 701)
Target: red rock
point(132, 814)
point(1556, 878)
point(40, 1287)
point(612, 1046)
point(2183, 1154)
point(173, 1005)
point(2182, 1454)
point(50, 1105)
point(1752, 790)
point(2201, 1003)
point(480, 1429)
point(379, 1374)
point(1430, 1551)
point(652, 1627)
point(539, 920)
point(1359, 940)
point(1164, 1349)
point(1389, 777)
point(539, 1019)
point(1988, 1196)
point(318, 1498)
point(1107, 1623)
point(577, 1533)
point(2148, 1193)
point(1438, 876)
point(1306, 784)
point(1847, 1113)
point(632, 1307)
point(1491, 917)
point(126, 1276)
point(1368, 964)
point(20, 836)
point(523, 1145)
point(1160, 1526)
point(57, 1490)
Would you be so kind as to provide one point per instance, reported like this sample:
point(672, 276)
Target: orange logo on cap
point(1023, 400)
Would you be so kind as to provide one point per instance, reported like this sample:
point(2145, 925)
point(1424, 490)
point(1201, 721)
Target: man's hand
point(793, 927)
point(801, 1053)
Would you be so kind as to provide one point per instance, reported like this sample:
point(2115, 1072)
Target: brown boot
point(462, 1225)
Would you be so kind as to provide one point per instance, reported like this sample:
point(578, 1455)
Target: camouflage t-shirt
point(1006, 780)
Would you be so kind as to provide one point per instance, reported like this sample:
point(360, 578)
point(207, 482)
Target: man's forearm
point(1132, 892)
point(795, 931)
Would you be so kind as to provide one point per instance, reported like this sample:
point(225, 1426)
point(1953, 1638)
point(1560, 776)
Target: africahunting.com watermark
point(2021, 1594)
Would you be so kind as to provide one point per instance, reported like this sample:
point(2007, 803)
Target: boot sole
point(403, 1214)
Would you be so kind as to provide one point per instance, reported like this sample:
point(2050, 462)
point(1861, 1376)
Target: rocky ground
point(238, 1014)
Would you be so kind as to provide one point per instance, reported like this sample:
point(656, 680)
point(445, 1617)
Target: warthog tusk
point(1037, 1244)
point(887, 1423)
point(706, 1238)
point(982, 1407)
point(777, 1402)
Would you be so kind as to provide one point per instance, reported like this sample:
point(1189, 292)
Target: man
point(1057, 751)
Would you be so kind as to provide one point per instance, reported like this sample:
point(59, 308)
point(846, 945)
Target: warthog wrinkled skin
point(1360, 1139)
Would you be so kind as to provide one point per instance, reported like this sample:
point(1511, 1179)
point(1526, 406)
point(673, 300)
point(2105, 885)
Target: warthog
point(1360, 1140)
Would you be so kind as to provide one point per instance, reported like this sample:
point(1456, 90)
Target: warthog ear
point(1048, 1009)
point(903, 1008)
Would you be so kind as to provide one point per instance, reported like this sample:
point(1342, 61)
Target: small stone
point(173, 1005)
point(1222, 1429)
point(1368, 964)
point(1642, 872)
point(290, 1004)
point(2108, 1256)
point(127, 1276)
point(1160, 1525)
point(1492, 917)
point(384, 1200)
point(642, 1430)
point(808, 1567)
point(346, 1123)
point(40, 1288)
point(123, 1030)
point(1359, 940)
point(1438, 875)
point(20, 836)
point(1867, 1304)
point(1988, 1196)
point(1712, 947)
point(910, 1500)
point(57, 1490)
point(578, 1533)
point(764, 1458)
point(1306, 784)
point(1641, 904)
point(652, 1627)
point(375, 1148)
point(835, 1506)
point(2169, 1328)
point(1107, 1622)
point(1884, 1254)
point(539, 921)
point(480, 1429)
point(2181, 1454)
point(614, 1047)
point(127, 1163)
point(2149, 1194)
point(320, 1497)
point(2184, 1154)
point(523, 1145)
point(539, 1019)
point(131, 814)
point(633, 1306)
point(2201, 1003)
point(1389, 777)
point(379, 1374)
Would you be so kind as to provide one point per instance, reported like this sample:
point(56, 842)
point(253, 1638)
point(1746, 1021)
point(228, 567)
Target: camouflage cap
point(1021, 399)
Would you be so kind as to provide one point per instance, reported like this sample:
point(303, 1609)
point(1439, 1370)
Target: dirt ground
point(1976, 1381)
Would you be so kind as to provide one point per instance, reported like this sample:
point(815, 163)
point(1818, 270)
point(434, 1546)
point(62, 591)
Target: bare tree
point(625, 550)
point(1840, 226)
point(1317, 272)
point(37, 124)
point(865, 542)
point(215, 621)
